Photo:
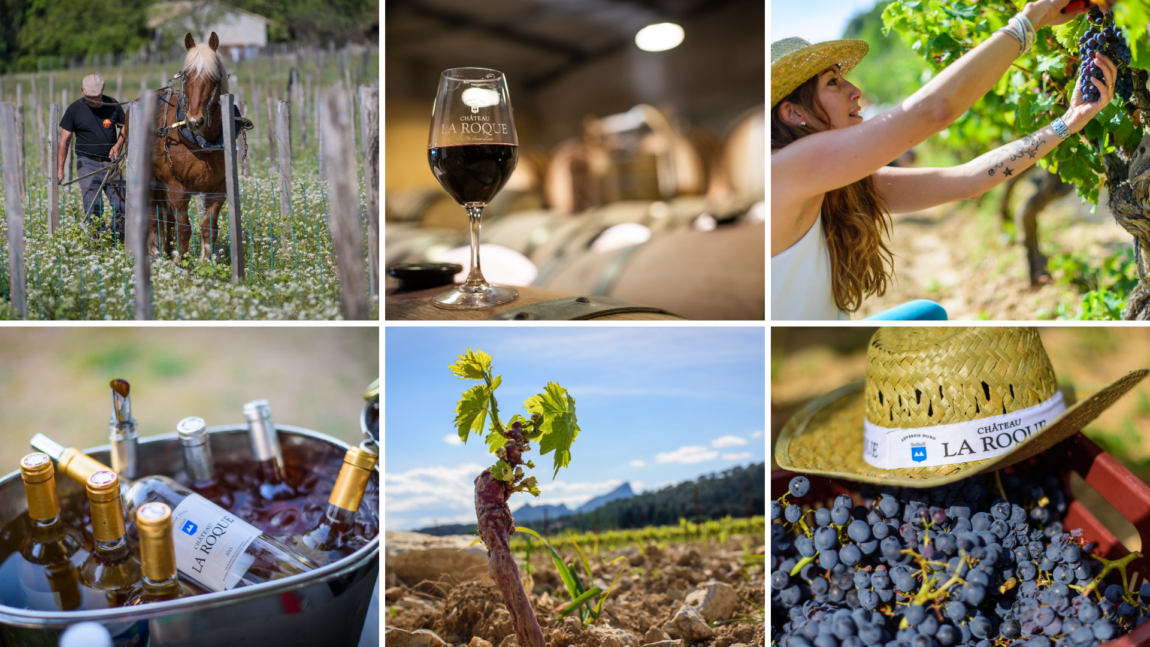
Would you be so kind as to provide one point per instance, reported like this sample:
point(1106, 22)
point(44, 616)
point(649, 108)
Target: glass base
point(459, 299)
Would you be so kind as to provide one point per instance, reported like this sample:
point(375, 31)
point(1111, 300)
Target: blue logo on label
point(190, 528)
point(918, 453)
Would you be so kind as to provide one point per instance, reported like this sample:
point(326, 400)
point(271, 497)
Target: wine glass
point(472, 149)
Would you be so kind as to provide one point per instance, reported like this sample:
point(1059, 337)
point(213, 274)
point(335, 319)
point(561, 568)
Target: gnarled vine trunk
point(1130, 203)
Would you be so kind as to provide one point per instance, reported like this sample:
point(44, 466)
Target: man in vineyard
point(94, 119)
point(832, 193)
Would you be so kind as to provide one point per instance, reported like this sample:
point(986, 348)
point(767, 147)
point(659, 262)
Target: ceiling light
point(660, 37)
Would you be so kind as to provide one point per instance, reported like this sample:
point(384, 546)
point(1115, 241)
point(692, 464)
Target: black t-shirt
point(94, 128)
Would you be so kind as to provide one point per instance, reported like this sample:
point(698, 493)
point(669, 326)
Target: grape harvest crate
point(1100, 470)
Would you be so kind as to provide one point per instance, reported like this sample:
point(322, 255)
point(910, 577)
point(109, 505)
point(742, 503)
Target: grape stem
point(1108, 566)
point(998, 482)
point(803, 562)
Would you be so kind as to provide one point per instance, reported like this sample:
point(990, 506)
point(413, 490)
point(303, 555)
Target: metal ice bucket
point(326, 606)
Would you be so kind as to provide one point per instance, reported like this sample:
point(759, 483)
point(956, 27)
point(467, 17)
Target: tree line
point(32, 31)
point(736, 492)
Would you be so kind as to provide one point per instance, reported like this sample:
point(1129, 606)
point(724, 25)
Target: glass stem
point(475, 281)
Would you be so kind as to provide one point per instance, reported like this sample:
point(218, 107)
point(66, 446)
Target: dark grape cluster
point(956, 565)
point(1103, 37)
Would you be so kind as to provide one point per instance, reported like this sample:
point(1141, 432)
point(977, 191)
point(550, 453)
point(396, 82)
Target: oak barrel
point(706, 275)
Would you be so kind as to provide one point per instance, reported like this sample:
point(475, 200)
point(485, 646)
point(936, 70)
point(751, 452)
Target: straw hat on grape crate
point(940, 404)
point(794, 61)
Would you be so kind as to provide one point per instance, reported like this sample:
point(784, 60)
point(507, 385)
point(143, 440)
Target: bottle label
point(211, 543)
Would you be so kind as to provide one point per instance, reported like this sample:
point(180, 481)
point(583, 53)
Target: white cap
point(86, 634)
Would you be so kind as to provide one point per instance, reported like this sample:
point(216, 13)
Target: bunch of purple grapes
point(955, 565)
point(1103, 37)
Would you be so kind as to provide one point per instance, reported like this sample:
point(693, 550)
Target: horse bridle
point(182, 99)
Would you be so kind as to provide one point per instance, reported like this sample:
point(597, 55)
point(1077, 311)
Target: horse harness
point(197, 139)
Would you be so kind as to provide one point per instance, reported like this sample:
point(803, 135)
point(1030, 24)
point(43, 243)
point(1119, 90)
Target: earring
point(802, 123)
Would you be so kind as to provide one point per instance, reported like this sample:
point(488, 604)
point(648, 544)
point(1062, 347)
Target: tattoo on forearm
point(1027, 146)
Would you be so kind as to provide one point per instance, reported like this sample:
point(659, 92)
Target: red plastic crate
point(1121, 489)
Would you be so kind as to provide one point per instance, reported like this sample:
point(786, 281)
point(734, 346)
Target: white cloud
point(637, 463)
point(728, 441)
point(757, 434)
point(431, 522)
point(448, 487)
point(736, 457)
point(687, 454)
point(452, 439)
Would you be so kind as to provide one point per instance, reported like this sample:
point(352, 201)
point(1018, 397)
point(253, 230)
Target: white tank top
point(801, 280)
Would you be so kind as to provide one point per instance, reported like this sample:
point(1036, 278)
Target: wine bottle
point(214, 548)
point(158, 556)
point(43, 575)
point(335, 536)
point(110, 567)
point(122, 433)
point(193, 433)
point(266, 451)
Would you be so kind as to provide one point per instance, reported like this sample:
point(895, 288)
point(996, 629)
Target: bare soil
point(960, 256)
point(646, 597)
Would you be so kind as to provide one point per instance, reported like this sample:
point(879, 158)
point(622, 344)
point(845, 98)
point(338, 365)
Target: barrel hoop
point(574, 309)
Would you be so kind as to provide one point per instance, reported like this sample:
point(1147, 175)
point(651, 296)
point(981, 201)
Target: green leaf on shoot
point(529, 485)
point(472, 365)
point(501, 471)
point(471, 412)
point(495, 440)
point(560, 426)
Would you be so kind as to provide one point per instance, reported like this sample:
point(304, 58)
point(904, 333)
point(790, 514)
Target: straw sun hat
point(794, 61)
point(939, 405)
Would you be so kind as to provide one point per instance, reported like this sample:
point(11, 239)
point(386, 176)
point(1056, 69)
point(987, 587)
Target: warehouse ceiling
point(565, 59)
point(537, 40)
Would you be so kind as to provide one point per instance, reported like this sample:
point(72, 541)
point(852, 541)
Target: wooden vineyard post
point(268, 102)
point(369, 133)
point(246, 160)
point(15, 209)
point(53, 164)
point(20, 144)
point(283, 144)
point(319, 134)
point(139, 177)
point(347, 237)
point(41, 137)
point(235, 218)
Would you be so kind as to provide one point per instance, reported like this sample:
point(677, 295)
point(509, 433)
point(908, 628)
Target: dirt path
point(960, 257)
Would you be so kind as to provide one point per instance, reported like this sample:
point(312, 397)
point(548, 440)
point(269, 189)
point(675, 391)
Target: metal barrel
point(327, 606)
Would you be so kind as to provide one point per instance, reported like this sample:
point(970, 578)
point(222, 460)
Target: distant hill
point(621, 492)
point(538, 512)
point(738, 492)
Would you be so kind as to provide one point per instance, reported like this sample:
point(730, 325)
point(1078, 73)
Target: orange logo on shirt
point(107, 123)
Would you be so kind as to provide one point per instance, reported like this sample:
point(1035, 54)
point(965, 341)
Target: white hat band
point(959, 442)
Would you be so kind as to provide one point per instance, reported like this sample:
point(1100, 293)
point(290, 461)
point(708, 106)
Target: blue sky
point(814, 21)
point(656, 406)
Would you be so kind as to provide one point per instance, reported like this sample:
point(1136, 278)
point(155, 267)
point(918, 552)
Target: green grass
point(291, 271)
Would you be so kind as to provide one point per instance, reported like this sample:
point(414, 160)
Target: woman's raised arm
point(838, 157)
point(904, 190)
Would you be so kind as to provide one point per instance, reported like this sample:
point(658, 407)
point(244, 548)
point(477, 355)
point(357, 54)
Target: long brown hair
point(855, 217)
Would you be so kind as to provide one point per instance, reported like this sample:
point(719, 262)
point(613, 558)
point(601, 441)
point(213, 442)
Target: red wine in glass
point(473, 173)
point(472, 150)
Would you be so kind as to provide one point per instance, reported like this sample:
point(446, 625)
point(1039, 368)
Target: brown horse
point(182, 165)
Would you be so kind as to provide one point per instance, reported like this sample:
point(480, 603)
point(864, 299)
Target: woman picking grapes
point(832, 193)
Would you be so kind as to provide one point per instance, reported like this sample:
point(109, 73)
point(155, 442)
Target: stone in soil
point(689, 625)
point(714, 600)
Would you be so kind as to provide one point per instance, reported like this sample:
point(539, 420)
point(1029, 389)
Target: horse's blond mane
point(203, 60)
